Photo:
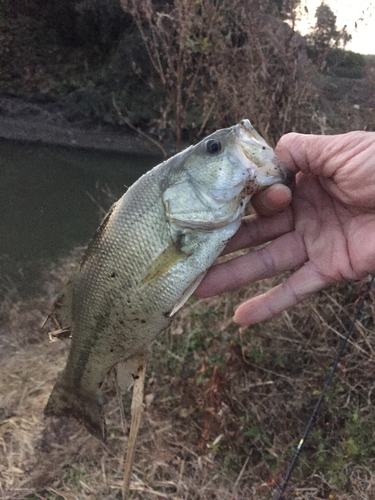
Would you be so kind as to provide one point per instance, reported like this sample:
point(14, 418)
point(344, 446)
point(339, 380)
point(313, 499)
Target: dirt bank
point(50, 123)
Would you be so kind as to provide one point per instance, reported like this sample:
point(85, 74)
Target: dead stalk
point(137, 408)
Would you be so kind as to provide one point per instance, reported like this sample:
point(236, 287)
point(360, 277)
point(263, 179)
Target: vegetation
point(216, 63)
point(178, 70)
point(325, 36)
point(225, 405)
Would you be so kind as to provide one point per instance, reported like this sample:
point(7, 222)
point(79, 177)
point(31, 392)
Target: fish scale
point(149, 255)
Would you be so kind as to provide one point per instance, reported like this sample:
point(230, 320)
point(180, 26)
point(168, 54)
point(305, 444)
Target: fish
point(148, 256)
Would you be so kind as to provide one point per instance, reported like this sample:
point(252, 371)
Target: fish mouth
point(265, 166)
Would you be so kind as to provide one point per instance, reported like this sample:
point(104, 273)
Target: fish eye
point(213, 146)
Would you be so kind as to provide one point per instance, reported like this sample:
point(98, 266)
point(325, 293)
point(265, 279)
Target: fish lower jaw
point(251, 171)
point(265, 179)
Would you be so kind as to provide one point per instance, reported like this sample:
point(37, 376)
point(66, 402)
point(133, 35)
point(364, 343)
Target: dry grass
point(226, 407)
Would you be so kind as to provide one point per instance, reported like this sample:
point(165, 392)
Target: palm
point(337, 239)
point(327, 233)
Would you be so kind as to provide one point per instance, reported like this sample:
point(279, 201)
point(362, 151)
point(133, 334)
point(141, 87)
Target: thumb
point(297, 151)
point(323, 155)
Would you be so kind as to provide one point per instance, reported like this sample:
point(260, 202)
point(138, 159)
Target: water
point(46, 202)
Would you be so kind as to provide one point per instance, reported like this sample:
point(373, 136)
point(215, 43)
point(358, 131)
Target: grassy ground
point(225, 406)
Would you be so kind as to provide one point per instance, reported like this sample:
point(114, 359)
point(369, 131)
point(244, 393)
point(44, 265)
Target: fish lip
point(264, 164)
point(247, 134)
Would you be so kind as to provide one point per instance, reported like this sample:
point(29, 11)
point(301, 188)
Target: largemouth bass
point(149, 255)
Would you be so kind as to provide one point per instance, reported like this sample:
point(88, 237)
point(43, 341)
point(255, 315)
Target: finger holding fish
point(282, 254)
point(295, 289)
point(273, 200)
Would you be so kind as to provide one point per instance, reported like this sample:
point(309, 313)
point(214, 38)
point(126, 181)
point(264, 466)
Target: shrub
point(218, 62)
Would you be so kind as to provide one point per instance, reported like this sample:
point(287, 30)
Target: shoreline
point(24, 121)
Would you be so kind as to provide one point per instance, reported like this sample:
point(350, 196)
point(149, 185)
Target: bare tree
point(221, 61)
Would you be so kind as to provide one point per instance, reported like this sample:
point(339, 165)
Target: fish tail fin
point(67, 401)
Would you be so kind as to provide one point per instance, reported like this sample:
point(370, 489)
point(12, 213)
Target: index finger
point(256, 230)
point(273, 200)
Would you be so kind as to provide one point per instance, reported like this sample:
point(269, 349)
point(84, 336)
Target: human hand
point(327, 232)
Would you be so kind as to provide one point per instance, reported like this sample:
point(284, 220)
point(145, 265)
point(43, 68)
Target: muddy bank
point(51, 124)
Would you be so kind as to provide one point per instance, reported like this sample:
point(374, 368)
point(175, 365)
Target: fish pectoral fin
point(187, 293)
point(165, 261)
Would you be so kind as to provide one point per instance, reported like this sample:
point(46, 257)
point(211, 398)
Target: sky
point(348, 13)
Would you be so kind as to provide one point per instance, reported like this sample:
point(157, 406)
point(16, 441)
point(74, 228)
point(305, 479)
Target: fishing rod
point(344, 343)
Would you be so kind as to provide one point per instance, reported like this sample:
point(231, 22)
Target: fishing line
point(326, 383)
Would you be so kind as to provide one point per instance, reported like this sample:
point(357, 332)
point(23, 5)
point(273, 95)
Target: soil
point(48, 123)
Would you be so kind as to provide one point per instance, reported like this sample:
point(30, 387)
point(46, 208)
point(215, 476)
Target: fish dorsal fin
point(165, 261)
point(62, 307)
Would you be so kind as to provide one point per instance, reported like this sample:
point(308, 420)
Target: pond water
point(50, 199)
